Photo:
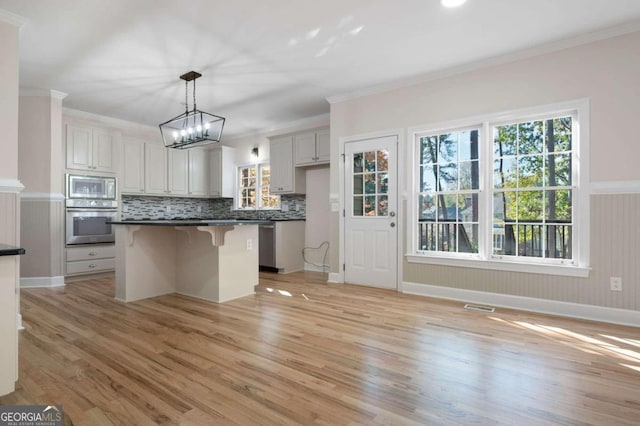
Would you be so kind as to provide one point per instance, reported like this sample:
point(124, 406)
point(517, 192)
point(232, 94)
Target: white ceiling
point(267, 63)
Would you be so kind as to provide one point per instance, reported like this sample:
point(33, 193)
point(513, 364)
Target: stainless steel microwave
point(91, 188)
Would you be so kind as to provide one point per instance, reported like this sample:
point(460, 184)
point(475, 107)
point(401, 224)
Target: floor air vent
point(479, 308)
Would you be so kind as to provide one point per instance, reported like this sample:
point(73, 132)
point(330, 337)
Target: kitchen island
point(215, 260)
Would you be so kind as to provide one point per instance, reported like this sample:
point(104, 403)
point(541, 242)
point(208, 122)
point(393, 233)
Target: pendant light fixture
point(193, 128)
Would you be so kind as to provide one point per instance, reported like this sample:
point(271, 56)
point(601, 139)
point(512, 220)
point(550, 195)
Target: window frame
point(258, 188)
point(418, 164)
point(485, 259)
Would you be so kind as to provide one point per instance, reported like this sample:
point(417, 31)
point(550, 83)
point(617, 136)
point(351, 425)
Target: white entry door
point(371, 231)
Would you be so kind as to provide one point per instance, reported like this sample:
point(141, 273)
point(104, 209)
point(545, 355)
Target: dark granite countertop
point(7, 250)
point(190, 222)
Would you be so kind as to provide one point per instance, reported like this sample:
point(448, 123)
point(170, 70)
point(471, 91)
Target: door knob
point(393, 224)
point(392, 214)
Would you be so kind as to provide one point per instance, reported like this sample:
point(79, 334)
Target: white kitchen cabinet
point(198, 172)
point(323, 146)
point(90, 149)
point(132, 167)
point(155, 172)
point(222, 172)
point(88, 259)
point(311, 148)
point(166, 170)
point(285, 177)
point(178, 176)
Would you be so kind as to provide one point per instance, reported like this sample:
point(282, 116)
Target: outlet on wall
point(249, 244)
point(616, 283)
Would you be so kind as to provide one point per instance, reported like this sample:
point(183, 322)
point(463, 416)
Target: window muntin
point(532, 192)
point(548, 188)
point(449, 182)
point(254, 180)
point(371, 183)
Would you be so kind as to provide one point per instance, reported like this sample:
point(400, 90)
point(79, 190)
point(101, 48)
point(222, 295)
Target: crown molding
point(105, 119)
point(12, 18)
point(35, 92)
point(538, 50)
point(321, 120)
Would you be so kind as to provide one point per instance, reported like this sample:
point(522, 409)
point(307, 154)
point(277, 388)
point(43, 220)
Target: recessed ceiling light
point(452, 3)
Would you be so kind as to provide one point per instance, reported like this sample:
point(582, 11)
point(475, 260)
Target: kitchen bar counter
point(189, 222)
point(215, 260)
point(7, 250)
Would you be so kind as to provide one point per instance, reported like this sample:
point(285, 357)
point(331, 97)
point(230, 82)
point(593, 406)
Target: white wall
point(9, 204)
point(40, 169)
point(607, 73)
point(9, 101)
point(318, 213)
point(317, 225)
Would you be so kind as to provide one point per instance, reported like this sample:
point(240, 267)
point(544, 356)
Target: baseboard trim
point(41, 282)
point(530, 304)
point(337, 278)
point(84, 277)
point(314, 268)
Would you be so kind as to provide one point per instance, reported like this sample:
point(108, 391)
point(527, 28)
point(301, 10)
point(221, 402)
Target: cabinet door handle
point(93, 253)
point(93, 265)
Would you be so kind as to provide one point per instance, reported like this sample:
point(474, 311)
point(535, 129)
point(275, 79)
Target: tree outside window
point(501, 191)
point(254, 193)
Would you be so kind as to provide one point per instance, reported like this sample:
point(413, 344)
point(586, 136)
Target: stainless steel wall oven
point(91, 203)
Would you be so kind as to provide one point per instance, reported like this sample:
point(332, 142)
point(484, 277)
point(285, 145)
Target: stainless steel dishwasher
point(267, 242)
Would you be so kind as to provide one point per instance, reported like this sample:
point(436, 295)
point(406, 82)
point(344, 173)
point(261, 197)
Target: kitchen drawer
point(90, 266)
point(90, 252)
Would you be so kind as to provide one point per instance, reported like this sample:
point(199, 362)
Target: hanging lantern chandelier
point(193, 127)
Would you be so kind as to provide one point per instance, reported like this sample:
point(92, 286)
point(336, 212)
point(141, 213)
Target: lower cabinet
point(90, 258)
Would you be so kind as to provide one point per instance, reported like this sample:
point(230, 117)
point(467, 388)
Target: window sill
point(531, 268)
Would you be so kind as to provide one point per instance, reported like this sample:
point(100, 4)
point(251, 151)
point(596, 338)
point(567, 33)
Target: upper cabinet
point(311, 148)
point(285, 177)
point(150, 168)
point(178, 173)
point(91, 149)
point(221, 172)
point(155, 171)
point(166, 171)
point(198, 172)
point(132, 167)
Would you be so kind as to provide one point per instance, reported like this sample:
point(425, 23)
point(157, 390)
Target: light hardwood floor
point(305, 352)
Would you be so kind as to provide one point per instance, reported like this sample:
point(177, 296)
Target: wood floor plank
point(301, 351)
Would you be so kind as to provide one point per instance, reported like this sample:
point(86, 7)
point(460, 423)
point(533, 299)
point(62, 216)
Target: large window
point(532, 193)
point(448, 198)
point(506, 190)
point(253, 188)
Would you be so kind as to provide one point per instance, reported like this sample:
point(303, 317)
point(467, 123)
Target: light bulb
point(199, 128)
point(207, 125)
point(183, 132)
point(189, 130)
point(175, 135)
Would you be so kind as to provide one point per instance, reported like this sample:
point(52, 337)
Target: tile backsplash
point(143, 207)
